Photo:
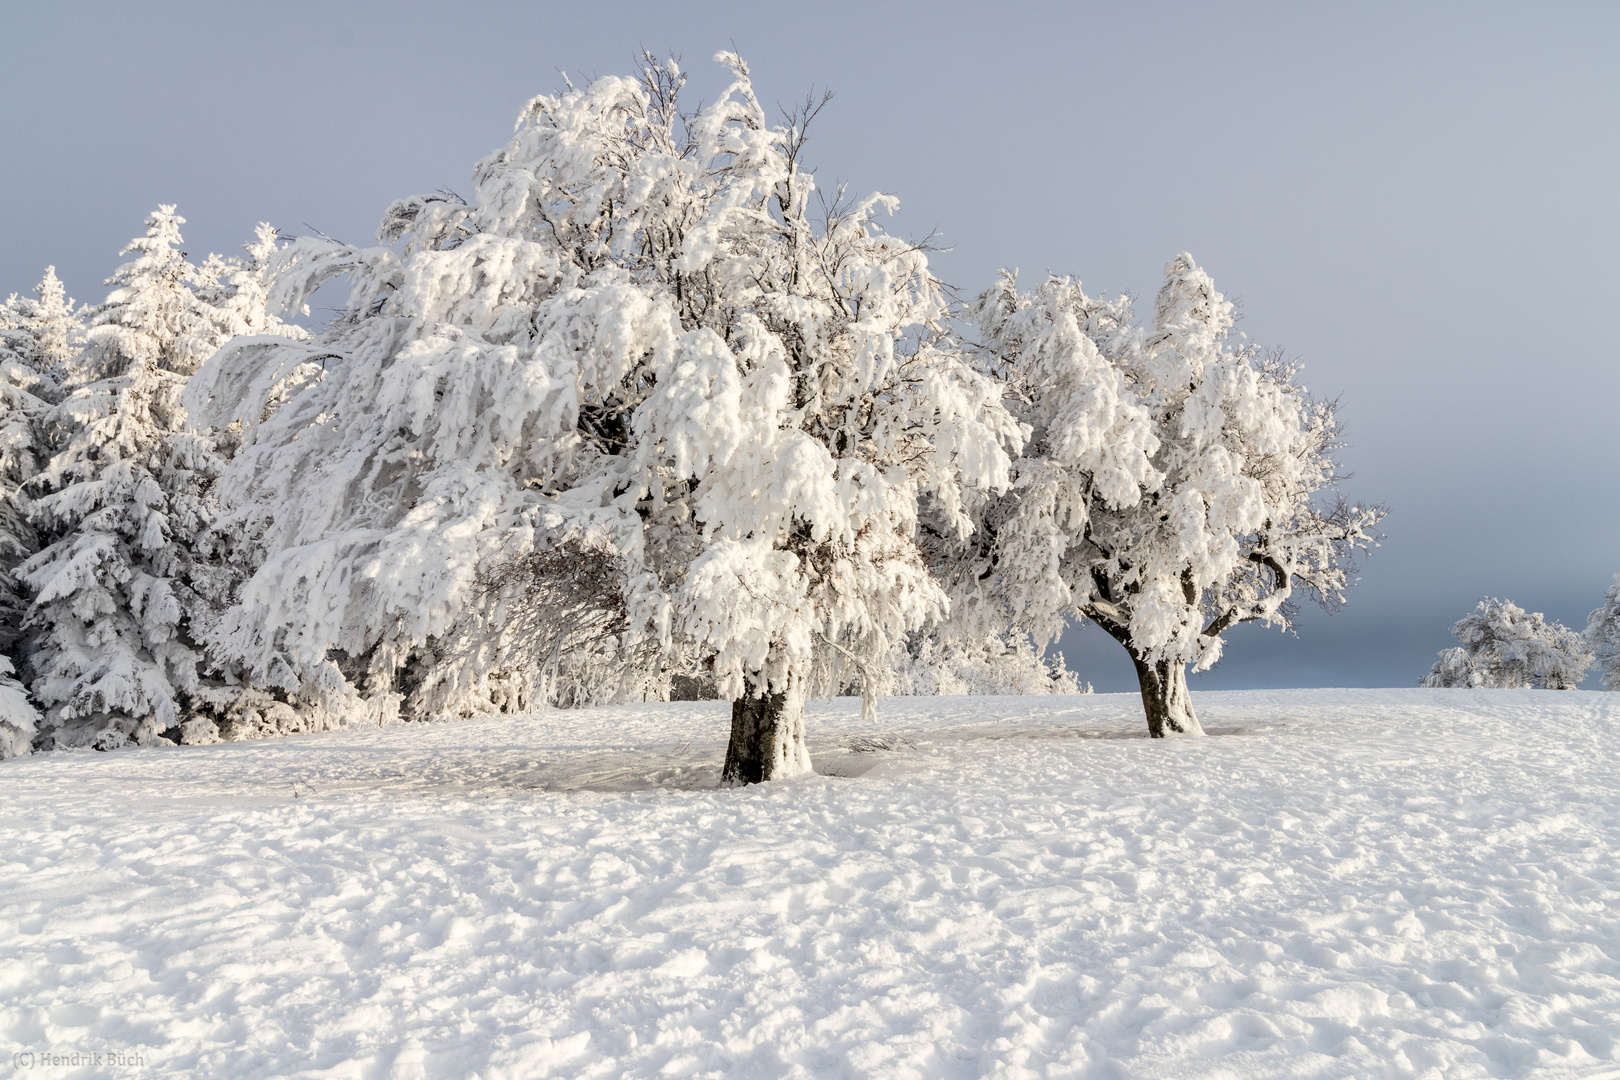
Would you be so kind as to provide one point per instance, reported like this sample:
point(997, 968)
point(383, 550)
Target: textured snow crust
point(1401, 883)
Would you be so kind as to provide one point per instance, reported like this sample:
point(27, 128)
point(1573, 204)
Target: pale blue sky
point(1420, 200)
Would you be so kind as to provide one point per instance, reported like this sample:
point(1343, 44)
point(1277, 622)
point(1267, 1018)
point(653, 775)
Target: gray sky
point(1420, 200)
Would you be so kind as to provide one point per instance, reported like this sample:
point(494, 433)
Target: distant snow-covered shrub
point(1504, 647)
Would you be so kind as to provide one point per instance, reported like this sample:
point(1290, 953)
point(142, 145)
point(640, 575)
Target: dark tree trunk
point(1165, 697)
point(767, 739)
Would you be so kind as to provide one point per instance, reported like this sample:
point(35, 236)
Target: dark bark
point(1165, 697)
point(767, 739)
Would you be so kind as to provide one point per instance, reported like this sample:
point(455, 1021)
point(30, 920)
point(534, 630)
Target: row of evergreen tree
point(107, 571)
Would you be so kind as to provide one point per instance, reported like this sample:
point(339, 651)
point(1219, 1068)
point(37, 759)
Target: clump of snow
point(1395, 883)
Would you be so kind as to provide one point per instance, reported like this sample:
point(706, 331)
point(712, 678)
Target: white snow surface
point(1336, 883)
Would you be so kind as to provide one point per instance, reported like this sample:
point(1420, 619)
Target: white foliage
point(236, 292)
point(1505, 647)
point(44, 331)
point(1603, 635)
point(632, 329)
point(1169, 488)
point(152, 318)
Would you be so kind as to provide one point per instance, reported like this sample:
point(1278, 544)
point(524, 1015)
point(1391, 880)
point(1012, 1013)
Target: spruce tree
point(111, 649)
point(38, 337)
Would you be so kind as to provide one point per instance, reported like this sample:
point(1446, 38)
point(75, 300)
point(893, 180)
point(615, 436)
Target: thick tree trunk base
point(1166, 699)
point(767, 740)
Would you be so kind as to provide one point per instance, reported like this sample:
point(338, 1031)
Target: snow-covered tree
point(1603, 635)
point(1175, 484)
point(45, 331)
point(1504, 647)
point(237, 291)
point(123, 506)
point(38, 336)
point(637, 330)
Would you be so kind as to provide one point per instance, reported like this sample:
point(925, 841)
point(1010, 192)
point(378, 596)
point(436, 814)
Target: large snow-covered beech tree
point(1603, 635)
point(122, 502)
point(1505, 647)
point(637, 334)
point(1176, 482)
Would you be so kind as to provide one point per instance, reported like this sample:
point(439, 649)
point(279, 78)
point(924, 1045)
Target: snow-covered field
point(1335, 884)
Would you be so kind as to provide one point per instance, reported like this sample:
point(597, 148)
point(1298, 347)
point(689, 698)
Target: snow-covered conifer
point(1603, 635)
point(237, 291)
point(38, 336)
point(1175, 483)
point(1504, 647)
point(45, 331)
point(122, 507)
point(635, 330)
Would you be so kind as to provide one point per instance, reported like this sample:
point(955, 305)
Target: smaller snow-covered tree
point(236, 291)
point(1506, 648)
point(45, 330)
point(999, 664)
point(1603, 635)
point(1176, 482)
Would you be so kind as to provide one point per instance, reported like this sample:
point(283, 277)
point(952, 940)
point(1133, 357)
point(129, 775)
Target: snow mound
point(1401, 883)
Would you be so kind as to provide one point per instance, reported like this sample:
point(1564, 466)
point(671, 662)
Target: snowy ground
point(1335, 884)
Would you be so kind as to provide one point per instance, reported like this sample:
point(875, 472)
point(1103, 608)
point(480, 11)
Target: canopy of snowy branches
point(645, 330)
point(1176, 482)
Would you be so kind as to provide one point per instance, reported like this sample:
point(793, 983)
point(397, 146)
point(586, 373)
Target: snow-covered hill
point(1335, 884)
